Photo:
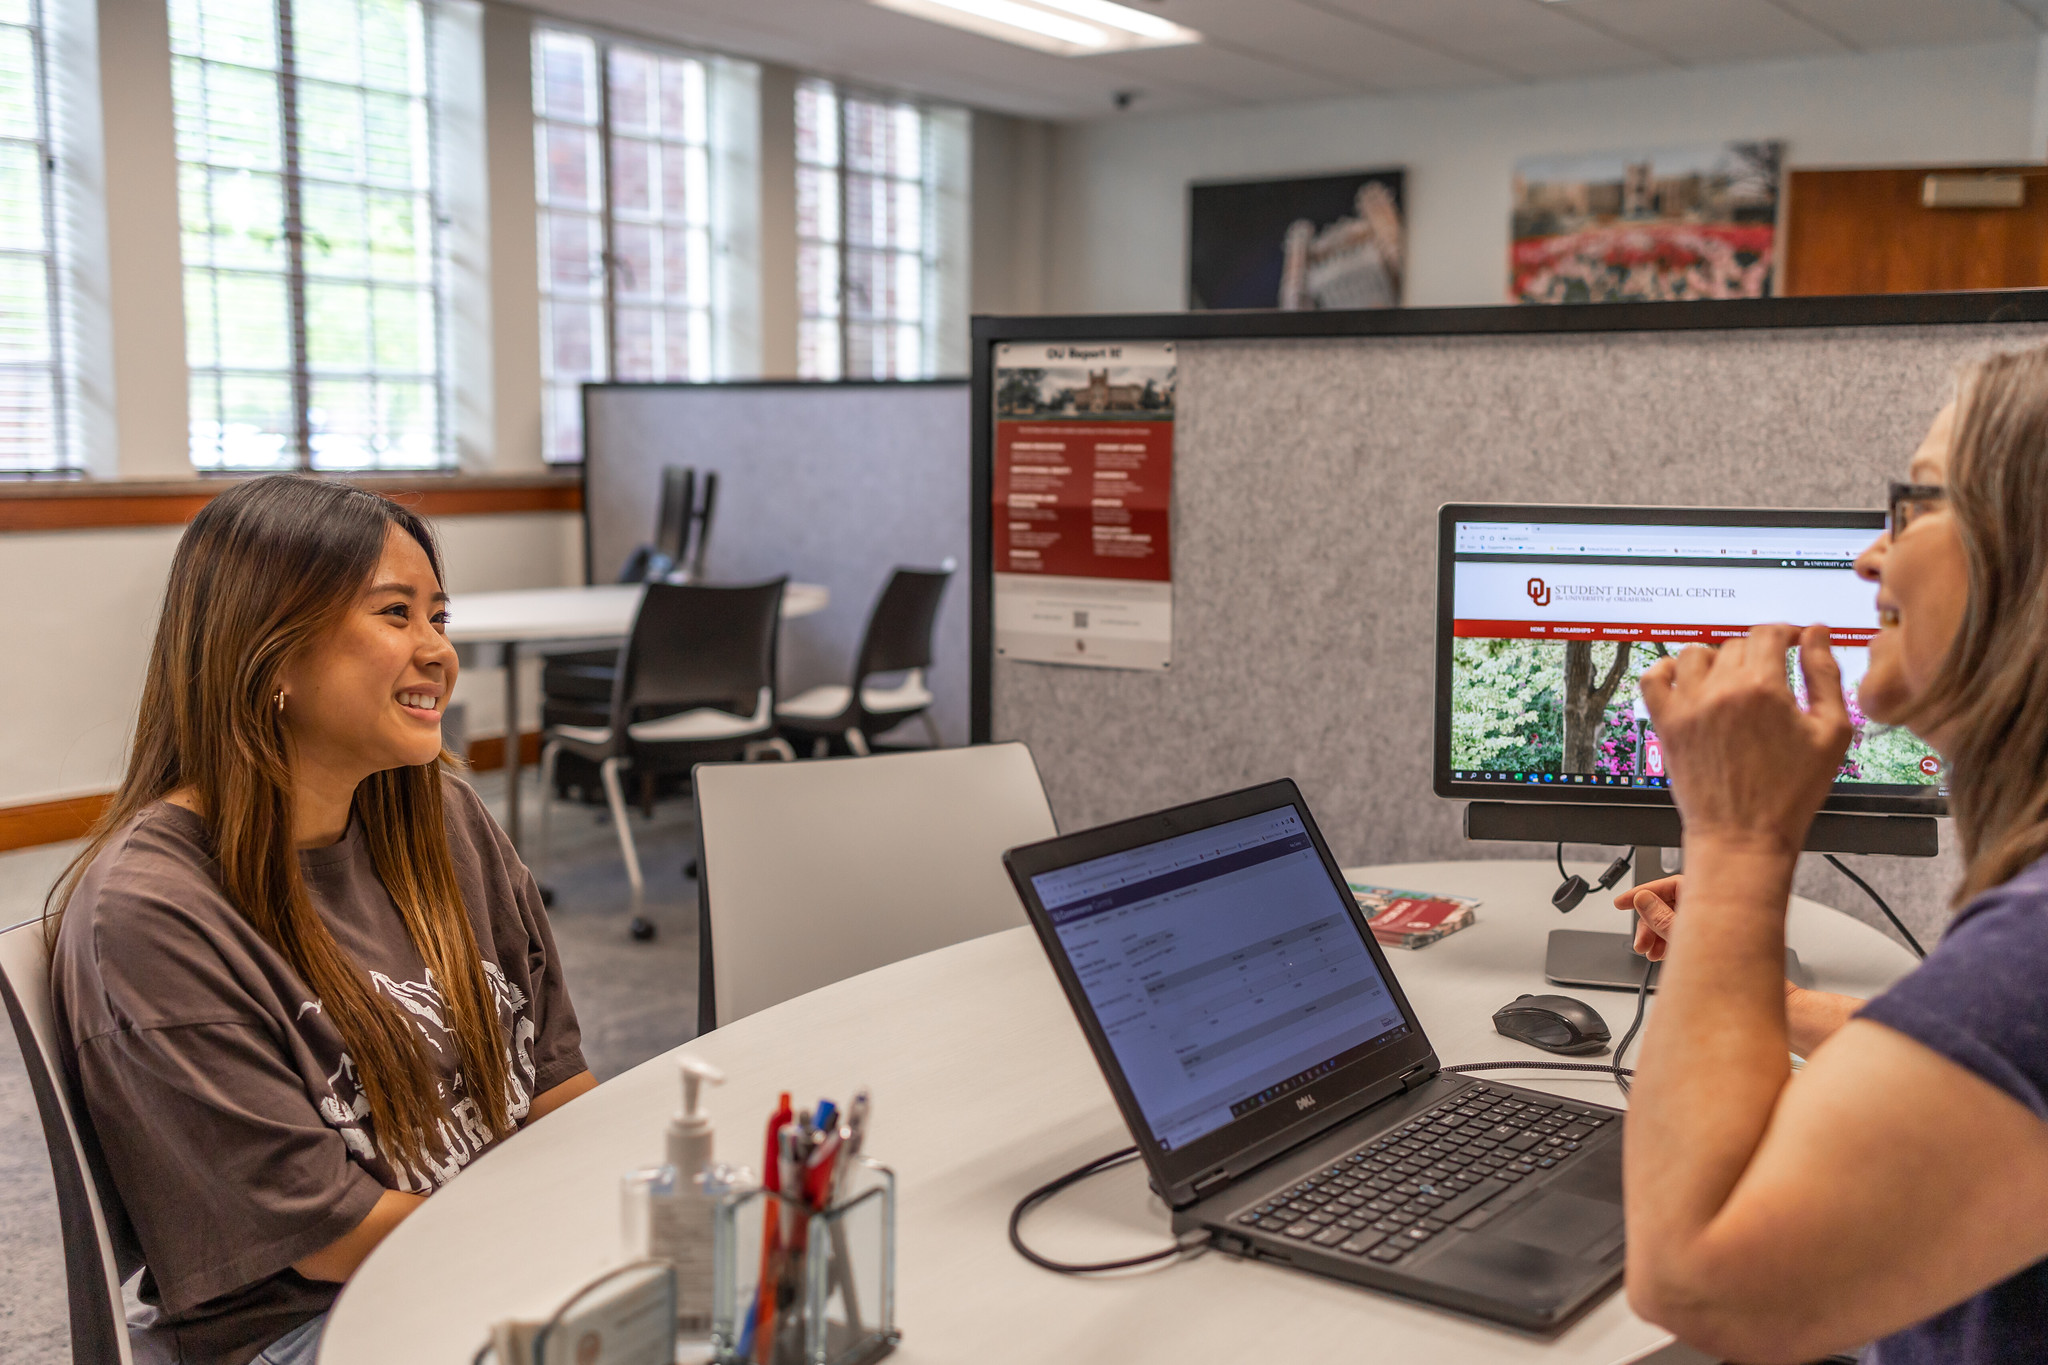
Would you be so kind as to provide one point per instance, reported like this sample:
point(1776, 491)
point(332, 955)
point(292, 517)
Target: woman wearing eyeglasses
point(1896, 1190)
point(301, 976)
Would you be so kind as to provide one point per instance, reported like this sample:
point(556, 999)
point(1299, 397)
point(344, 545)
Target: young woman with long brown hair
point(302, 977)
point(1895, 1191)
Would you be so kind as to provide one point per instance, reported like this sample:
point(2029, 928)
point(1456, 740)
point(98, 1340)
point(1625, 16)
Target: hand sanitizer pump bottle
point(690, 1213)
point(689, 1133)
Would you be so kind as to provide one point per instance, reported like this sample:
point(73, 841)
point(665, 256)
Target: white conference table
point(984, 1089)
point(489, 628)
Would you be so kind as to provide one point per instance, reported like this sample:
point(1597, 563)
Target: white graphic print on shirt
point(461, 1131)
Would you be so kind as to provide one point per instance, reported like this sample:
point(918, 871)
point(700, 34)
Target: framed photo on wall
point(1619, 227)
point(1325, 241)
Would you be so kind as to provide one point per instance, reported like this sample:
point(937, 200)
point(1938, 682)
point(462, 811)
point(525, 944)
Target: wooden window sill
point(85, 504)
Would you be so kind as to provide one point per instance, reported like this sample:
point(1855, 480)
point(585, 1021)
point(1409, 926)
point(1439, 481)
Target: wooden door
point(1866, 232)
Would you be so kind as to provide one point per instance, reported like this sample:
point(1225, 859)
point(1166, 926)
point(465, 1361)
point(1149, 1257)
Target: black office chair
point(672, 526)
point(576, 686)
point(898, 640)
point(700, 528)
point(695, 683)
point(100, 1248)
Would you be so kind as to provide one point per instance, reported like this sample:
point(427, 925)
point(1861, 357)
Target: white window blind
point(311, 233)
point(623, 147)
point(32, 383)
point(876, 270)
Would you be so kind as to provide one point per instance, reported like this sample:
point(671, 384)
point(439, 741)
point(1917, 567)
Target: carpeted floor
point(634, 1000)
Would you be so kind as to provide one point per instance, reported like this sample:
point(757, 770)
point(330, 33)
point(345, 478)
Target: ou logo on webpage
point(1539, 592)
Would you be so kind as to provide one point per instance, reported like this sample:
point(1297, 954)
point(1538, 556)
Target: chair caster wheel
point(642, 929)
point(690, 870)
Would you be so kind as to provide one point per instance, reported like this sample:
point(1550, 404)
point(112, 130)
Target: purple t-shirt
point(1981, 1000)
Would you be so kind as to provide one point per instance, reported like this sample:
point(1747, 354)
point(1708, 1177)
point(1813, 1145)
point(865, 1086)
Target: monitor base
point(1608, 962)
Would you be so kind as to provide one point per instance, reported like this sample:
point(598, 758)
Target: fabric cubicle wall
point(829, 483)
point(1310, 454)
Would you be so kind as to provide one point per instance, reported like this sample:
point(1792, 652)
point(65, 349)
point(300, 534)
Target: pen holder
point(797, 1286)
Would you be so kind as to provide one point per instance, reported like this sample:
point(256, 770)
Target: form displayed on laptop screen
point(1224, 968)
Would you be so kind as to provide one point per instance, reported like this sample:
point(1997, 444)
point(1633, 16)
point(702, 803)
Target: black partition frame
point(1982, 308)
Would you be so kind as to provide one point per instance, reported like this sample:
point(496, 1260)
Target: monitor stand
point(1608, 961)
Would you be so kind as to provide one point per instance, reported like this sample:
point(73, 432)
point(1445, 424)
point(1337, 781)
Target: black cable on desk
point(1904, 932)
point(1614, 1068)
point(1074, 1177)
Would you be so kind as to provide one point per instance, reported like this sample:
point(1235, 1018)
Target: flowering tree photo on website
point(1554, 706)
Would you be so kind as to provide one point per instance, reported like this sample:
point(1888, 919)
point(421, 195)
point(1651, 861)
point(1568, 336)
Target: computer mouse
point(1555, 1023)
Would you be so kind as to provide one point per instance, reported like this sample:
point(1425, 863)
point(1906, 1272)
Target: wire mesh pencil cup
point(830, 1298)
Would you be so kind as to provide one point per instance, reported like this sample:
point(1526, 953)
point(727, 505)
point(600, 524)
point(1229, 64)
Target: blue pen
point(827, 1111)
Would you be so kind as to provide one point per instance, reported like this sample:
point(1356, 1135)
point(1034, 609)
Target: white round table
point(984, 1089)
point(489, 628)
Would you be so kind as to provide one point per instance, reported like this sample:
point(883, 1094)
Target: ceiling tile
point(1911, 23)
point(1524, 38)
point(1333, 44)
point(1278, 50)
point(858, 42)
point(1708, 32)
point(1233, 76)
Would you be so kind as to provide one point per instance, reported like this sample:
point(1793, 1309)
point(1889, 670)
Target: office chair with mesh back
point(100, 1250)
point(696, 683)
point(898, 640)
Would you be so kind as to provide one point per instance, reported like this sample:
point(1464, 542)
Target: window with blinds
point(32, 389)
point(868, 241)
point(622, 153)
point(310, 233)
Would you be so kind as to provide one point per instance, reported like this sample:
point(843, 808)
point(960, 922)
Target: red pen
point(771, 1231)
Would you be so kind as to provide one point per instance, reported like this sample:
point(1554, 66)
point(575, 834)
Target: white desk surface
point(600, 612)
point(984, 1089)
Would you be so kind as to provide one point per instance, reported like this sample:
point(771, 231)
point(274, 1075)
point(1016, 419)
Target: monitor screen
point(1546, 617)
point(1223, 967)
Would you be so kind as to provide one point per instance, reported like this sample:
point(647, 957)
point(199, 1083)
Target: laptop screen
point(1224, 968)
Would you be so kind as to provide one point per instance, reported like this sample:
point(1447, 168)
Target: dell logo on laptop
point(1305, 1102)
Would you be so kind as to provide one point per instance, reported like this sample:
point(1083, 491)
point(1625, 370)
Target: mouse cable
point(1871, 892)
point(1123, 1156)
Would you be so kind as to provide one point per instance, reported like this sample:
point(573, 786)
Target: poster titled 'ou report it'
point(1082, 499)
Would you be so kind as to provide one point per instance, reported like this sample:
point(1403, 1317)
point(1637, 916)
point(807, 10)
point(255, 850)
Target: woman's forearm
point(1812, 1017)
point(338, 1259)
point(1714, 1061)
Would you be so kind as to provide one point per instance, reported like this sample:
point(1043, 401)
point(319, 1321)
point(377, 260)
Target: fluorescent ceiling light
point(1066, 28)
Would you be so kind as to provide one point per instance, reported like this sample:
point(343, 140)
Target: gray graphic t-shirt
point(229, 1113)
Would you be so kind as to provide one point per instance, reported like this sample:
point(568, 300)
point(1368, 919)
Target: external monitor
point(1546, 616)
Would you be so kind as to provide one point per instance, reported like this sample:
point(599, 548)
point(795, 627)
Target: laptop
point(1281, 1090)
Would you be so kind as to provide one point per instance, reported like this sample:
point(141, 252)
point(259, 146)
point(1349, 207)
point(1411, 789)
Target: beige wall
point(145, 282)
point(1119, 233)
point(1012, 213)
point(83, 608)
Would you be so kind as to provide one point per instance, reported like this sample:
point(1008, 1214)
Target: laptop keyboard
point(1430, 1174)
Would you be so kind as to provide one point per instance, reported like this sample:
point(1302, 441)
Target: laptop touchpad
point(1564, 1223)
point(1539, 1280)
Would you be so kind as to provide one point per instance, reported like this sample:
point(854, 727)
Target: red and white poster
point(1083, 503)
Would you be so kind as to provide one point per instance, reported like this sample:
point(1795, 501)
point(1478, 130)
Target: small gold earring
point(280, 701)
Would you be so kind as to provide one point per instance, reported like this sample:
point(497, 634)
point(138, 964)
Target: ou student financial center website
point(1554, 622)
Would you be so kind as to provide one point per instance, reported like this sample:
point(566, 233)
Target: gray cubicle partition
point(1310, 454)
point(828, 483)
